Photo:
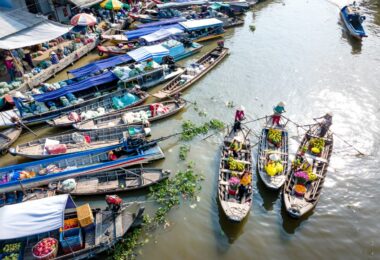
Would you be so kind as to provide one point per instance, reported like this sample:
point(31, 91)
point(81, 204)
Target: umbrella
point(112, 5)
point(83, 19)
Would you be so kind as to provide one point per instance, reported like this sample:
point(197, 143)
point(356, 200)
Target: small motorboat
point(353, 21)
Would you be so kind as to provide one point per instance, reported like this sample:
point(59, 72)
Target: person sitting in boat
point(325, 123)
point(149, 64)
point(112, 155)
point(277, 112)
point(169, 60)
point(236, 146)
point(134, 71)
point(220, 44)
point(239, 116)
point(245, 182)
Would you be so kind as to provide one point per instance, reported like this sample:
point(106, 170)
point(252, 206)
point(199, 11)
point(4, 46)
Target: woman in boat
point(277, 112)
point(245, 182)
point(325, 124)
point(236, 147)
point(239, 116)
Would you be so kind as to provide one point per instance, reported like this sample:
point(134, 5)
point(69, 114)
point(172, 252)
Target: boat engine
point(114, 202)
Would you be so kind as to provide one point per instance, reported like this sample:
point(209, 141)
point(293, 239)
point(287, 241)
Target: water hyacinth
point(301, 176)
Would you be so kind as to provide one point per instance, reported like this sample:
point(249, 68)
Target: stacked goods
point(85, 216)
point(275, 137)
point(136, 117)
point(316, 145)
point(6, 87)
point(47, 248)
point(11, 251)
point(233, 185)
point(234, 165)
point(87, 114)
point(273, 168)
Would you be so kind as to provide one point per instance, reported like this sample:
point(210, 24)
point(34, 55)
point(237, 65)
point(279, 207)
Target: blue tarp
point(163, 22)
point(100, 64)
point(78, 86)
point(135, 34)
point(156, 52)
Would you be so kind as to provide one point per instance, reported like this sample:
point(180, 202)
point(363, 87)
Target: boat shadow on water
point(356, 44)
point(269, 197)
point(290, 224)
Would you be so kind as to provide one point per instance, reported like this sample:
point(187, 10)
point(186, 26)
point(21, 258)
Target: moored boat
point(137, 115)
point(272, 157)
point(193, 73)
point(76, 142)
point(119, 180)
point(235, 206)
point(353, 20)
point(8, 137)
point(304, 182)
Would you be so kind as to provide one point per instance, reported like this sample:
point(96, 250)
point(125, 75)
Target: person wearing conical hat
point(239, 116)
point(277, 112)
point(325, 124)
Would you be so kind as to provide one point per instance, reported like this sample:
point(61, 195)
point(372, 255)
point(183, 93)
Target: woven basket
point(51, 255)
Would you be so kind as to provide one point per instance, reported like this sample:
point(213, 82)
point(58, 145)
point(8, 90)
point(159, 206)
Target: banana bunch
point(275, 136)
point(318, 143)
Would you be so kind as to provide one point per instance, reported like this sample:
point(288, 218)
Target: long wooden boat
point(270, 146)
point(119, 180)
point(38, 173)
point(8, 137)
point(297, 201)
point(353, 21)
point(190, 76)
point(106, 104)
point(235, 210)
point(75, 142)
point(46, 218)
point(125, 117)
point(15, 197)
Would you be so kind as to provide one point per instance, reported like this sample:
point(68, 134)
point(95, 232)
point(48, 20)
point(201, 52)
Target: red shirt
point(239, 115)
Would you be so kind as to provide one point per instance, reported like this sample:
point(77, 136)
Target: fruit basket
point(46, 249)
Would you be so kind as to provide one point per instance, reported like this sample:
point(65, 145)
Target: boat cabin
point(204, 29)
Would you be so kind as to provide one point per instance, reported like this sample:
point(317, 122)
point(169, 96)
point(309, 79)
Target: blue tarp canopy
point(181, 4)
point(77, 86)
point(163, 22)
point(161, 34)
point(191, 25)
point(155, 52)
point(99, 65)
point(135, 34)
point(34, 217)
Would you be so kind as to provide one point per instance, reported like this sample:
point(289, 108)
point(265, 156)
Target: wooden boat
point(111, 50)
point(353, 21)
point(119, 180)
point(8, 137)
point(38, 173)
point(106, 104)
point(268, 148)
point(234, 209)
point(185, 80)
point(14, 197)
point(47, 217)
point(115, 35)
point(76, 142)
point(298, 204)
point(120, 118)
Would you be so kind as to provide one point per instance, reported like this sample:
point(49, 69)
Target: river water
point(301, 54)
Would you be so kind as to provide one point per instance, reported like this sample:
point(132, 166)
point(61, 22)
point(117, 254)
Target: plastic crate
point(71, 240)
point(85, 215)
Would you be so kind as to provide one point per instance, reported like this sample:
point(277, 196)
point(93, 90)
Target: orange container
point(70, 223)
point(85, 216)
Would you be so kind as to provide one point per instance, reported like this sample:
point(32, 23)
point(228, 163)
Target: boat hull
point(358, 33)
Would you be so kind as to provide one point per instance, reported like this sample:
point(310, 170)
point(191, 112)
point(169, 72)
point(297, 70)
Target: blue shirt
point(279, 110)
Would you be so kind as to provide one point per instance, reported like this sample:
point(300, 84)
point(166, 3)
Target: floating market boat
point(76, 142)
point(272, 157)
point(75, 232)
point(353, 21)
point(8, 137)
point(193, 73)
point(38, 173)
point(203, 29)
point(112, 50)
point(14, 197)
point(119, 180)
point(303, 185)
point(235, 210)
point(137, 115)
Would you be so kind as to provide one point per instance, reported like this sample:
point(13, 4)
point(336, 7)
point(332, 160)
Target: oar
point(18, 120)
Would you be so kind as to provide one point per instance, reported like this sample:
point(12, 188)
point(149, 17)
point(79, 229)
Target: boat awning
point(163, 22)
point(77, 86)
point(135, 34)
point(85, 3)
point(22, 29)
point(33, 217)
point(144, 53)
point(201, 24)
point(181, 4)
point(161, 34)
point(99, 65)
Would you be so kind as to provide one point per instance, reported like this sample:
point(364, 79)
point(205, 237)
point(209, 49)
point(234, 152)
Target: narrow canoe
point(234, 209)
point(8, 137)
point(182, 82)
point(118, 119)
point(298, 205)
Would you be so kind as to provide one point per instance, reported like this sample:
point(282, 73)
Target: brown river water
point(301, 54)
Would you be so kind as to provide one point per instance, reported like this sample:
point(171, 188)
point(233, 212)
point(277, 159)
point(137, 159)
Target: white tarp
point(85, 3)
point(33, 217)
point(161, 34)
point(39, 33)
point(200, 24)
point(147, 52)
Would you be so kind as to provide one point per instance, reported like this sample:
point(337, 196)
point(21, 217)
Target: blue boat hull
point(355, 31)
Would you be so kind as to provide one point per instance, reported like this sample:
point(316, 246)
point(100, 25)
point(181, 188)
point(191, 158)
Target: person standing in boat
point(277, 112)
point(325, 123)
point(239, 116)
point(245, 181)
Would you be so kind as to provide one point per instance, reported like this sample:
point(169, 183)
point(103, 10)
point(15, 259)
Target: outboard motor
point(114, 202)
point(169, 60)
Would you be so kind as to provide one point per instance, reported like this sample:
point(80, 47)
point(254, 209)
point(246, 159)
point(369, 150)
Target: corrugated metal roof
point(12, 21)
point(85, 3)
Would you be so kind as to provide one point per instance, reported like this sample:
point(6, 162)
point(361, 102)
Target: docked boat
point(13, 197)
point(193, 73)
point(303, 184)
point(235, 208)
point(272, 157)
point(353, 20)
point(137, 115)
point(38, 173)
point(8, 137)
point(203, 29)
point(76, 142)
point(72, 232)
point(111, 50)
point(119, 180)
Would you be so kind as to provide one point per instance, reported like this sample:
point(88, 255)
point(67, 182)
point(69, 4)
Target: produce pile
point(45, 247)
point(275, 136)
point(234, 165)
point(274, 168)
point(6, 87)
point(316, 145)
point(11, 251)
